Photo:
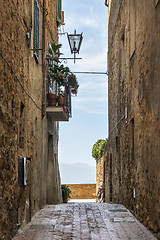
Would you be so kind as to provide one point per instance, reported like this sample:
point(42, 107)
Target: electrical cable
point(19, 81)
point(117, 124)
point(48, 26)
point(106, 73)
point(25, 29)
point(44, 9)
point(50, 32)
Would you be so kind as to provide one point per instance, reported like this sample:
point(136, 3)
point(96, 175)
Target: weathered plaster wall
point(23, 131)
point(132, 153)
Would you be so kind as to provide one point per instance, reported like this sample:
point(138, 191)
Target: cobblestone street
point(84, 220)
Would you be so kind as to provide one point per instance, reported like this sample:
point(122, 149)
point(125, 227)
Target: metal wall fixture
point(75, 41)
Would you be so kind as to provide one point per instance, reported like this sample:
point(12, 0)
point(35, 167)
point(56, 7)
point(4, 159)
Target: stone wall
point(83, 191)
point(132, 153)
point(23, 129)
point(99, 172)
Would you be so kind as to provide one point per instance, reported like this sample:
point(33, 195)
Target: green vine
point(97, 150)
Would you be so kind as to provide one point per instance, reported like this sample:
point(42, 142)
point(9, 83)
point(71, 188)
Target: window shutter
point(36, 30)
point(59, 12)
point(22, 173)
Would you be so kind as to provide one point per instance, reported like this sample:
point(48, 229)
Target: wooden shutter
point(22, 174)
point(59, 12)
point(36, 31)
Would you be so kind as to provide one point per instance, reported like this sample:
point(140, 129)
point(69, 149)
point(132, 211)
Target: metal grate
point(36, 31)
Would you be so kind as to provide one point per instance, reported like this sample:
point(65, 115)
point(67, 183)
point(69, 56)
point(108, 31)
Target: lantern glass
point(75, 42)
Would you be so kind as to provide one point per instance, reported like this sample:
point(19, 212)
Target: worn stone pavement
point(84, 220)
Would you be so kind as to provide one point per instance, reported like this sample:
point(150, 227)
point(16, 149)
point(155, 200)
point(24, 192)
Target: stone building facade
point(132, 165)
point(29, 171)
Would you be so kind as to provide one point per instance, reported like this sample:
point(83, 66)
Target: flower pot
point(52, 99)
point(65, 199)
point(61, 101)
point(73, 90)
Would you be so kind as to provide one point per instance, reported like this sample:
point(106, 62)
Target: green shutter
point(59, 12)
point(36, 30)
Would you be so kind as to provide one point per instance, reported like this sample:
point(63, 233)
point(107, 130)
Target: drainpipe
point(43, 59)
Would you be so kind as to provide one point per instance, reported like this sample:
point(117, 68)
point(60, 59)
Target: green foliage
point(65, 191)
point(72, 81)
point(58, 71)
point(98, 147)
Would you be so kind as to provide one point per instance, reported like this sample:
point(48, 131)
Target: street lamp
point(75, 41)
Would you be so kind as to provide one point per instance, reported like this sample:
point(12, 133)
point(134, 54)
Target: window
point(132, 139)
point(59, 12)
point(117, 144)
point(36, 31)
point(22, 174)
point(21, 126)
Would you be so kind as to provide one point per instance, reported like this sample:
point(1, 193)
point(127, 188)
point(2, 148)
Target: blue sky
point(89, 120)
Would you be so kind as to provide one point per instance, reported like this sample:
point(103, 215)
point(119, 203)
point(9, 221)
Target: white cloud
point(91, 109)
point(97, 85)
point(92, 61)
point(89, 21)
point(89, 100)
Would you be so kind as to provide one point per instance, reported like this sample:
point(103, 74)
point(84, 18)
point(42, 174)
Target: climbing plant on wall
point(98, 147)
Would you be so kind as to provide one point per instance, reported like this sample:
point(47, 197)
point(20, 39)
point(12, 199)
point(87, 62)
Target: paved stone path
point(86, 221)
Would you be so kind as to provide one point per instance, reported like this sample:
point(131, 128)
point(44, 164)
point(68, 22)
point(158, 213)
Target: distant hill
point(78, 173)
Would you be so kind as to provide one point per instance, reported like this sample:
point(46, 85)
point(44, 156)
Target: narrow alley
point(79, 116)
point(84, 220)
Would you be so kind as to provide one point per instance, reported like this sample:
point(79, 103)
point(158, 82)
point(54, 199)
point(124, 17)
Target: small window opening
point(117, 144)
point(21, 126)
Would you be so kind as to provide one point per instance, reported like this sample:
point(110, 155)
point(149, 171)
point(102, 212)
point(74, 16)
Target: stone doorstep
point(118, 210)
point(122, 219)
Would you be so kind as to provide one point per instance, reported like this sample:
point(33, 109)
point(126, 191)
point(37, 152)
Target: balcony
point(59, 108)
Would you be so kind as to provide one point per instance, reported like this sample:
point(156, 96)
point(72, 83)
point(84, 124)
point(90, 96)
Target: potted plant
point(65, 192)
point(56, 70)
point(58, 73)
point(61, 98)
point(73, 83)
point(52, 99)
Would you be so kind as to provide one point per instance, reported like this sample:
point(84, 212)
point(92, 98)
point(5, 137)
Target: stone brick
point(84, 221)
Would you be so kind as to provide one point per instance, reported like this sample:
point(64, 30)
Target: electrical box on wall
point(22, 171)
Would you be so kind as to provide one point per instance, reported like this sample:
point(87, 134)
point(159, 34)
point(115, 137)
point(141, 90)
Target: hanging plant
point(73, 83)
point(57, 71)
point(97, 150)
